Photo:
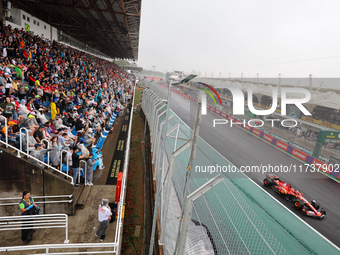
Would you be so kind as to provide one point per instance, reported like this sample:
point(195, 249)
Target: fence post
point(85, 169)
point(158, 133)
point(66, 231)
point(156, 122)
point(6, 128)
point(188, 211)
point(67, 163)
point(27, 148)
point(48, 153)
point(168, 185)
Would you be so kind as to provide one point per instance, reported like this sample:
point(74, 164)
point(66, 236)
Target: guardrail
point(20, 151)
point(40, 197)
point(48, 247)
point(34, 222)
point(119, 226)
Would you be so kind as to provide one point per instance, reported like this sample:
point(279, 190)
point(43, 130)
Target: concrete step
point(83, 196)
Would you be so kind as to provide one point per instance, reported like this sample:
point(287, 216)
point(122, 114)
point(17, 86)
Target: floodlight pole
point(191, 158)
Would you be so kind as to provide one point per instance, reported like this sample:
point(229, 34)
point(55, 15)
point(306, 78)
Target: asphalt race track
point(244, 149)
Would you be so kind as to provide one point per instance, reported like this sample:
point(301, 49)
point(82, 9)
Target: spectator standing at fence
point(104, 215)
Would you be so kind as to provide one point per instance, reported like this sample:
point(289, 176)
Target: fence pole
point(85, 168)
point(48, 153)
point(157, 135)
point(66, 231)
point(6, 128)
point(27, 149)
point(188, 211)
point(159, 184)
point(191, 158)
point(169, 184)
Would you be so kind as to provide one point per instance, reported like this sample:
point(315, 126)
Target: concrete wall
point(37, 26)
point(19, 174)
point(57, 185)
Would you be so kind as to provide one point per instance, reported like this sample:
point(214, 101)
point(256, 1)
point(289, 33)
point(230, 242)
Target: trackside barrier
point(318, 164)
point(121, 204)
point(233, 216)
point(35, 222)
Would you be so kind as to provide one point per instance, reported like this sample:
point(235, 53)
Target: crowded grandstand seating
point(63, 97)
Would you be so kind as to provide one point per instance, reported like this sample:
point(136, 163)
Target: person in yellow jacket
point(54, 109)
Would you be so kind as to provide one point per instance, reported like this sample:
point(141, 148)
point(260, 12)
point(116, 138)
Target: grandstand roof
point(110, 26)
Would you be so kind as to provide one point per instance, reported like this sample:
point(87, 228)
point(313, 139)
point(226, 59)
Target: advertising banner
point(299, 154)
point(268, 138)
point(256, 132)
point(282, 145)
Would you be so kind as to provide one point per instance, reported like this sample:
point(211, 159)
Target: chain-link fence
point(224, 214)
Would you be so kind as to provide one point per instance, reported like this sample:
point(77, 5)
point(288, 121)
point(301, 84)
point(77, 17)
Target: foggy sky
point(294, 38)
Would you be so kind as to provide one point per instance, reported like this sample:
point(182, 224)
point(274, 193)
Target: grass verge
point(134, 208)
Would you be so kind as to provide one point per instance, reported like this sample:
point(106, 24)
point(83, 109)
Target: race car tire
point(298, 204)
point(267, 182)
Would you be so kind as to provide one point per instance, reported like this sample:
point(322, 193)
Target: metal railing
point(119, 226)
point(20, 141)
point(6, 135)
point(20, 151)
point(40, 202)
point(48, 247)
point(34, 222)
point(48, 147)
point(85, 168)
point(67, 161)
point(37, 160)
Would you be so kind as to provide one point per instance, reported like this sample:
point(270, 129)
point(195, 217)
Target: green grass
point(134, 209)
point(138, 91)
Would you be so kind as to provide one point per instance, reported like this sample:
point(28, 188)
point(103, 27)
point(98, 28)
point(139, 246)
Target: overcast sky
point(292, 37)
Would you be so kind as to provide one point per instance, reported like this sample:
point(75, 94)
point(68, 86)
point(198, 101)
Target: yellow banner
point(322, 123)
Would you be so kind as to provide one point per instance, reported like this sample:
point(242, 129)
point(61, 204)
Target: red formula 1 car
point(310, 208)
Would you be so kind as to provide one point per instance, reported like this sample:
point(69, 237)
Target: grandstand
point(63, 103)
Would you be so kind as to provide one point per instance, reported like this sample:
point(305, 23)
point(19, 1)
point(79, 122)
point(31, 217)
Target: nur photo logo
point(238, 104)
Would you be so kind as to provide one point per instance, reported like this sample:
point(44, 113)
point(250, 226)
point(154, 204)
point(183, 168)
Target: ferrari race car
point(310, 208)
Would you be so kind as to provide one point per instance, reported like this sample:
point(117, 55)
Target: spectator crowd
point(63, 98)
